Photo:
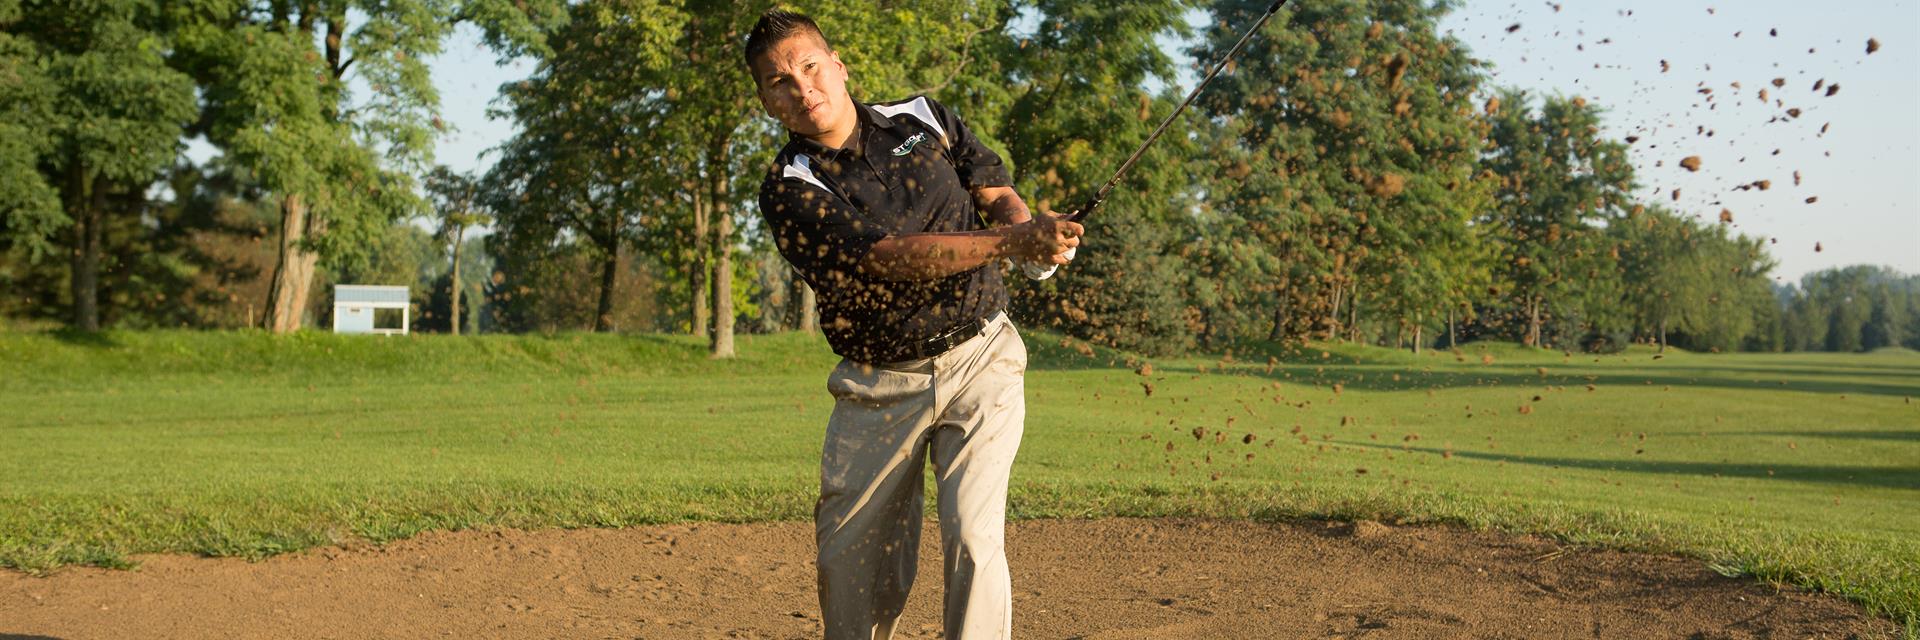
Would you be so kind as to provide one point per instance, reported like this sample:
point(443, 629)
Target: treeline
point(1354, 176)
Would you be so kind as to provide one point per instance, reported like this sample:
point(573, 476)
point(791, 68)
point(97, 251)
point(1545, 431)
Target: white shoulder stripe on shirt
point(802, 168)
point(920, 110)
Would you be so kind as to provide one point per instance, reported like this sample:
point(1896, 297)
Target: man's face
point(803, 85)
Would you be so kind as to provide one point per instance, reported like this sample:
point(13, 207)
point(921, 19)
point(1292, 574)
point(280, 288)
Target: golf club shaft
point(1101, 195)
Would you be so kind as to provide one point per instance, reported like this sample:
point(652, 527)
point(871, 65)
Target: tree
point(109, 121)
point(1352, 159)
point(586, 160)
point(456, 201)
point(274, 79)
point(1560, 185)
point(1681, 276)
point(30, 212)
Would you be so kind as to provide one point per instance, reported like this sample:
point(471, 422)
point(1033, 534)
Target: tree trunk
point(609, 274)
point(697, 278)
point(86, 202)
point(1353, 315)
point(293, 271)
point(458, 232)
point(722, 344)
point(1663, 336)
point(1278, 331)
point(1206, 329)
point(1333, 313)
point(1452, 339)
point(804, 308)
point(1418, 332)
point(1533, 323)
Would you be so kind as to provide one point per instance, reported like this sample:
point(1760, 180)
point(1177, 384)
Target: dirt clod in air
point(1817, 248)
point(1146, 369)
point(1690, 163)
point(1833, 89)
point(1387, 185)
point(1396, 69)
point(1516, 27)
point(1872, 45)
point(1779, 82)
point(1726, 216)
point(1147, 387)
point(1812, 199)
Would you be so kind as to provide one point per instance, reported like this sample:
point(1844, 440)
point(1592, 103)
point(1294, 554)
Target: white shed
point(354, 305)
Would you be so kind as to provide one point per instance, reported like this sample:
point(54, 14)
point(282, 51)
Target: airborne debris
point(1690, 163)
point(1872, 44)
point(1388, 185)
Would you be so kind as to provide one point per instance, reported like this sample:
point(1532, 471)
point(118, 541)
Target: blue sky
point(1864, 171)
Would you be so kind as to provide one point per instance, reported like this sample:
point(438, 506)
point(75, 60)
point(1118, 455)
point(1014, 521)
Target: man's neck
point(839, 137)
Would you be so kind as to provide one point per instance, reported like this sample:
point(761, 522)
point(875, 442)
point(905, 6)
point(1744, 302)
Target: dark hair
point(776, 25)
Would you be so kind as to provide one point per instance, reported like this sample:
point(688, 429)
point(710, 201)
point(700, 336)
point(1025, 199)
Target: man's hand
point(1046, 240)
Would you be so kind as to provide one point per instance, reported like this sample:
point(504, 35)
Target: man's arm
point(1002, 206)
point(930, 256)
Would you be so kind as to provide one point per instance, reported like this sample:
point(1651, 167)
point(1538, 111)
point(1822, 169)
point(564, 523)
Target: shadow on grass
point(1890, 436)
point(1390, 372)
point(1405, 377)
point(78, 338)
point(1887, 477)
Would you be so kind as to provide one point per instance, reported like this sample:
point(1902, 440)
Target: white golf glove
point(1039, 271)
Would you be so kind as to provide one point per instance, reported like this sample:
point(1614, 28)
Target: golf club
point(1101, 195)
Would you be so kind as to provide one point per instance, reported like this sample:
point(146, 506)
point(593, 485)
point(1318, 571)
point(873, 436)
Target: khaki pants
point(963, 409)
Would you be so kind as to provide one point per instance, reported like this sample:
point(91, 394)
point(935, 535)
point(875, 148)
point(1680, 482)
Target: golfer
point(899, 217)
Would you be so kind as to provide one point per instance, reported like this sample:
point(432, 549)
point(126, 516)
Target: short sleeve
point(977, 165)
point(817, 231)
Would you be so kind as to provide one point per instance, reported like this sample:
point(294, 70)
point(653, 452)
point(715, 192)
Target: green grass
point(1796, 468)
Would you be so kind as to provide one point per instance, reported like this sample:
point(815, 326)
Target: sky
point(1863, 172)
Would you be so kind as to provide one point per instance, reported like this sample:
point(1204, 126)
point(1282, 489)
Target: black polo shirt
point(908, 168)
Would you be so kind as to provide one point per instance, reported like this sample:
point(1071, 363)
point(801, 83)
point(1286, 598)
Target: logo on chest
point(907, 147)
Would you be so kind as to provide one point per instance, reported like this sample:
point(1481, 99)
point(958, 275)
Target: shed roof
point(369, 294)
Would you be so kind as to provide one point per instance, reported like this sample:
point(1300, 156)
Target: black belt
point(944, 342)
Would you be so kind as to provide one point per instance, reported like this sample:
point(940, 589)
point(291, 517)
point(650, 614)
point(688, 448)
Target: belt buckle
point(947, 341)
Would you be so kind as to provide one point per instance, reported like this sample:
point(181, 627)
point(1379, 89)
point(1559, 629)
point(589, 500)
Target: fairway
point(1798, 468)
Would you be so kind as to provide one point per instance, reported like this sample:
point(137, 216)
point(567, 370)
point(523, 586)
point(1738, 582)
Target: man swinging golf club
point(898, 217)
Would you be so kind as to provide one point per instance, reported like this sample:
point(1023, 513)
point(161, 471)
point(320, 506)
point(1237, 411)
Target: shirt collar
point(858, 140)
